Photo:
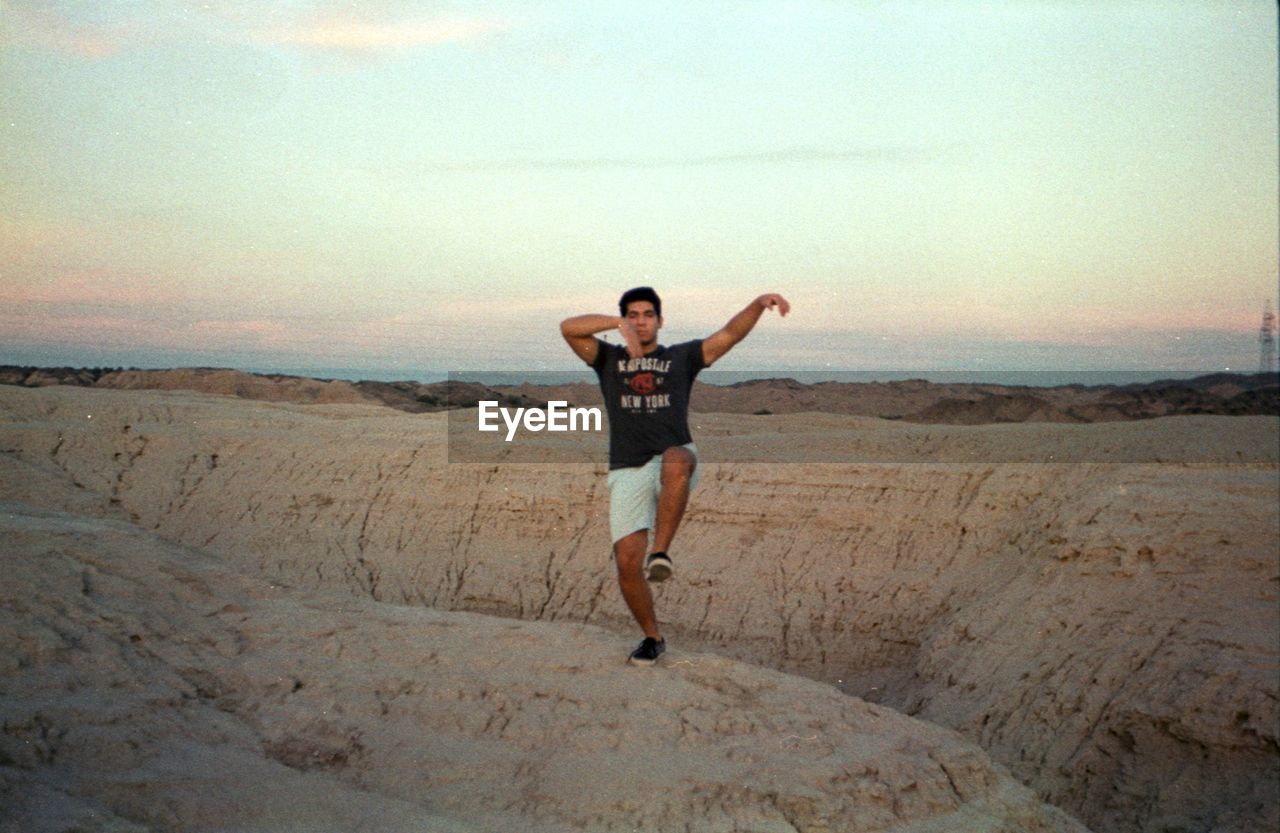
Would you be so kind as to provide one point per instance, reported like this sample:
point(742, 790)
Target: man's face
point(645, 320)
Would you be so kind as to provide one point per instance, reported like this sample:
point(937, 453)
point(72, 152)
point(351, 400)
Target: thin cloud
point(92, 37)
point(362, 37)
point(798, 155)
point(91, 288)
point(57, 31)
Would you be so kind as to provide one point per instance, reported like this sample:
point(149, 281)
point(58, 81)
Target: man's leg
point(678, 464)
point(628, 552)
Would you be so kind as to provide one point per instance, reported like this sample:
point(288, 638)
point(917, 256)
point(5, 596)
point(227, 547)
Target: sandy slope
point(149, 686)
point(1107, 630)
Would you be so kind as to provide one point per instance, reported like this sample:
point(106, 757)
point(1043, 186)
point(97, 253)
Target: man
point(653, 463)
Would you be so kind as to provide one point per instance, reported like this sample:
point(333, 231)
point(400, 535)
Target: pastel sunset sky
point(408, 188)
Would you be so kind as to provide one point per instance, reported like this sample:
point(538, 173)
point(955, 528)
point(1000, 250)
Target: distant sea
point(1012, 378)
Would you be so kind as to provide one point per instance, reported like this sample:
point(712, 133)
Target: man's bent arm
point(719, 343)
point(580, 332)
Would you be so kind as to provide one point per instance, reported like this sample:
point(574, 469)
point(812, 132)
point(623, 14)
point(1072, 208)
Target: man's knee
point(629, 551)
point(678, 461)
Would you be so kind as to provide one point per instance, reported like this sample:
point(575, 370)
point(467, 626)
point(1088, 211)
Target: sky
point(408, 188)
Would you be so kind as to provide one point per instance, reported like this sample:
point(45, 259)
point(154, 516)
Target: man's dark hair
point(640, 293)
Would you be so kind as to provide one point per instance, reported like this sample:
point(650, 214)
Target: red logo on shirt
point(642, 383)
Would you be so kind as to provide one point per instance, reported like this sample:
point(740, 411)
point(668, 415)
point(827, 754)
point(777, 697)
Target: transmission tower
point(1267, 341)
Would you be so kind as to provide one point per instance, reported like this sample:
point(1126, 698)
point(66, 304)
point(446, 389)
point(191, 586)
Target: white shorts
point(633, 495)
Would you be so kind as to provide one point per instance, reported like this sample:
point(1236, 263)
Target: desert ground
point(225, 614)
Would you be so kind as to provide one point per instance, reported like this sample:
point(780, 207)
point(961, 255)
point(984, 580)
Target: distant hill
point(414, 397)
point(913, 400)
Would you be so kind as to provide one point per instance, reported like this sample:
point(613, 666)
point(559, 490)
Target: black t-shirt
point(647, 399)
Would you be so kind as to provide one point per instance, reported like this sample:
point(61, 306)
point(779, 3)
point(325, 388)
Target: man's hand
point(720, 342)
point(774, 301)
point(634, 348)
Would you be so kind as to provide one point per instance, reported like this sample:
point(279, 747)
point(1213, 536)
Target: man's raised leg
point(678, 464)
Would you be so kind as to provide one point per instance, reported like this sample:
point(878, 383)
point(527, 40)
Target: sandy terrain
point(1104, 629)
point(149, 686)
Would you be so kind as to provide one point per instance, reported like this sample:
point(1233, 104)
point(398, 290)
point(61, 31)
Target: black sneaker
point(648, 652)
point(657, 567)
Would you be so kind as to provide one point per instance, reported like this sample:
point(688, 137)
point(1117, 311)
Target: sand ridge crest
point(912, 400)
